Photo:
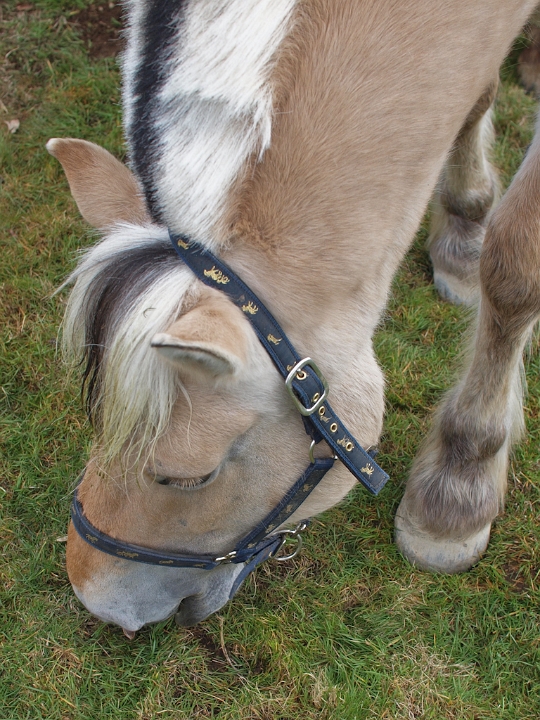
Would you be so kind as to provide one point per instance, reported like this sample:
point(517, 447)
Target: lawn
point(348, 630)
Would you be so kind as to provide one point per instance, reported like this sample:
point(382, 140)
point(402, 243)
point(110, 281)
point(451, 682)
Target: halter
point(309, 392)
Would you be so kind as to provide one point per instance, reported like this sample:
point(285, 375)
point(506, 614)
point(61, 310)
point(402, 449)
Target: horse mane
point(127, 288)
point(198, 102)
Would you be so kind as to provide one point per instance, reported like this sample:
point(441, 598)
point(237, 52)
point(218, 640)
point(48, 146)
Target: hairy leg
point(529, 59)
point(466, 191)
point(458, 480)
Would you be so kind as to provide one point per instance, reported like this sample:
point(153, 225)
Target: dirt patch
point(89, 626)
point(216, 658)
point(100, 26)
point(528, 62)
point(513, 576)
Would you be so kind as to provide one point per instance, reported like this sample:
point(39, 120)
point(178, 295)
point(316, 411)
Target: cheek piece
point(309, 392)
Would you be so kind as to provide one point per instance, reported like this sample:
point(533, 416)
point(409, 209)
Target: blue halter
point(309, 392)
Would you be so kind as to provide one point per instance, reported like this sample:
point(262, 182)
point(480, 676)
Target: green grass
point(347, 630)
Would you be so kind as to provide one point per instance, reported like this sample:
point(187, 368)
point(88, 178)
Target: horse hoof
point(455, 291)
point(438, 555)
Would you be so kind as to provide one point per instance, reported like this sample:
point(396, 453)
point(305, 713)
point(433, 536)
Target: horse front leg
point(529, 59)
point(466, 191)
point(458, 480)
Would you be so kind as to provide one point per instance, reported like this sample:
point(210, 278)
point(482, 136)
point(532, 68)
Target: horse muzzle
point(133, 595)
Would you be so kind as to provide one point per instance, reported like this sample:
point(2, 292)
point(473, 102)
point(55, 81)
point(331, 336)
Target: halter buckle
point(292, 375)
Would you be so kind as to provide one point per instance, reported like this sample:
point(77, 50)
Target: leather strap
point(257, 542)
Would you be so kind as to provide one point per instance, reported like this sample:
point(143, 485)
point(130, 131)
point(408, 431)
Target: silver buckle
point(291, 376)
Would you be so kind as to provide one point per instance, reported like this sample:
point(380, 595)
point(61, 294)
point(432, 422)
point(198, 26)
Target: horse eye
point(186, 483)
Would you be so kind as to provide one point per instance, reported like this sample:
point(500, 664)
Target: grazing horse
point(298, 142)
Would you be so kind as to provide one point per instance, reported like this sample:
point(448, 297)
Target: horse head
point(197, 438)
point(286, 138)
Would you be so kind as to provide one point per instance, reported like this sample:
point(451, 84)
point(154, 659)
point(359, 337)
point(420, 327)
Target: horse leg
point(466, 191)
point(529, 59)
point(458, 480)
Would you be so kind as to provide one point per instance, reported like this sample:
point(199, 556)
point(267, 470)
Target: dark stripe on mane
point(109, 298)
point(160, 30)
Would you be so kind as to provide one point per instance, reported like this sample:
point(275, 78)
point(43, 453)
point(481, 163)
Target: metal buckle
point(291, 376)
point(228, 558)
point(290, 535)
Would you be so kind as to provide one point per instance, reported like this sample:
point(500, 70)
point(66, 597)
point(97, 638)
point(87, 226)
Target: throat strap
point(304, 380)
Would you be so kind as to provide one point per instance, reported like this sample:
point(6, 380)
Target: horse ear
point(211, 338)
point(105, 191)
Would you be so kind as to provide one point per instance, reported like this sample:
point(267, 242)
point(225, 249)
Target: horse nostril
point(130, 634)
point(193, 609)
point(179, 609)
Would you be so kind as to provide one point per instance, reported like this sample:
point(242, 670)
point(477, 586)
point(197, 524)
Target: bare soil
point(100, 26)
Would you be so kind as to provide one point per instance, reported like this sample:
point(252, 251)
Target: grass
point(348, 630)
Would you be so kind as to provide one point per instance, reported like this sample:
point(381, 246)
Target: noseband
point(309, 392)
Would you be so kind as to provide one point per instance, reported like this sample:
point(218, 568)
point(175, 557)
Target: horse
point(294, 146)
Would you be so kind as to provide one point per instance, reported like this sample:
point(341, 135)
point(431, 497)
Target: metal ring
point(299, 543)
point(312, 456)
point(295, 535)
point(225, 558)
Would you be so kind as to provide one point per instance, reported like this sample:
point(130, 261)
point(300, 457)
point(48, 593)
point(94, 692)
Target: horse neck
point(327, 202)
point(320, 225)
